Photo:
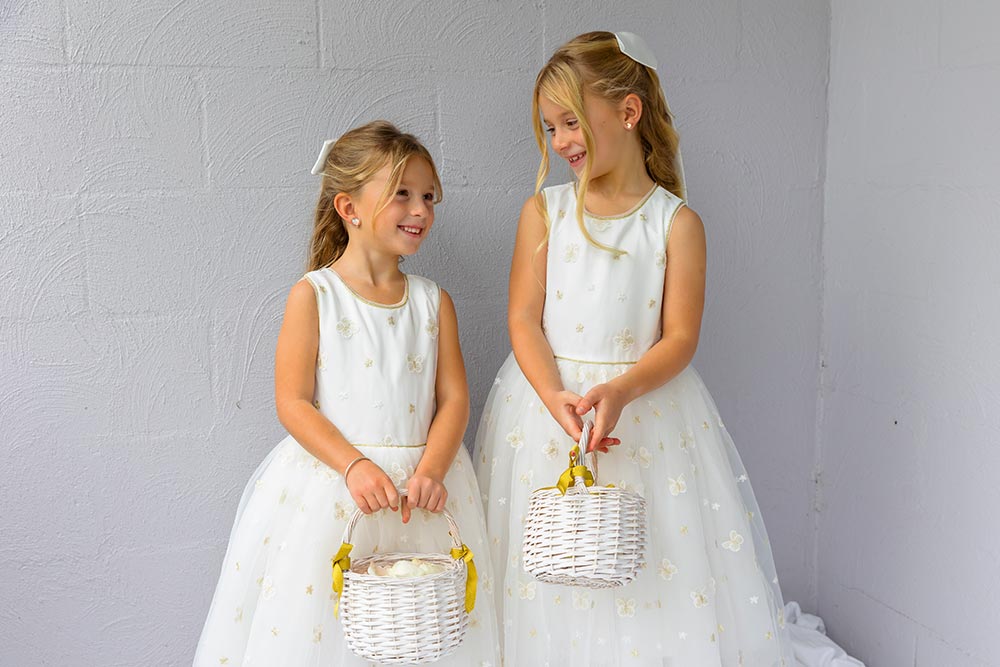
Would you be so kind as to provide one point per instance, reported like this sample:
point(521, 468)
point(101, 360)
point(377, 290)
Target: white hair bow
point(636, 48)
point(321, 160)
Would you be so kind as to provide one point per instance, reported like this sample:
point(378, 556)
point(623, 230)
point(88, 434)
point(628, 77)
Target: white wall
point(908, 544)
point(154, 209)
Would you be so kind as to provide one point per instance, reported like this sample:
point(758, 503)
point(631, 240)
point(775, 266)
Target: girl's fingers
point(596, 436)
point(363, 504)
point(436, 503)
point(406, 513)
point(381, 500)
point(392, 496)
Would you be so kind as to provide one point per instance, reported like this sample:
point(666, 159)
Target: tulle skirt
point(708, 596)
point(274, 605)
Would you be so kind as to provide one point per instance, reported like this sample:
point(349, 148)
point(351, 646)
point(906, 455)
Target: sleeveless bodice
point(377, 364)
point(599, 307)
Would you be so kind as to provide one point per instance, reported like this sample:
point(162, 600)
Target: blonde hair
point(353, 161)
point(593, 62)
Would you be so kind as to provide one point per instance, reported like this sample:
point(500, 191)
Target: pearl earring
point(356, 222)
point(628, 126)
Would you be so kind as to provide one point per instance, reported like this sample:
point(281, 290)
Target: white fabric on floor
point(812, 647)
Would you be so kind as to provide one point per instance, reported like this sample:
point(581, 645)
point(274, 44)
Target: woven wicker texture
point(404, 621)
point(589, 536)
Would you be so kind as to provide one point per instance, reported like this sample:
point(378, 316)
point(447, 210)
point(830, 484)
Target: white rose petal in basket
point(581, 534)
point(411, 620)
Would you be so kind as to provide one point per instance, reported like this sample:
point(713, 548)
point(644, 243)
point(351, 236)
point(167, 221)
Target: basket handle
point(588, 427)
point(456, 538)
point(342, 560)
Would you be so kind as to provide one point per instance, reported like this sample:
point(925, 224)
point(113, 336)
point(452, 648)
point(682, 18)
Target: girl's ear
point(631, 110)
point(344, 205)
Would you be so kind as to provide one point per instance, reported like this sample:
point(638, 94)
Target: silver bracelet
point(351, 465)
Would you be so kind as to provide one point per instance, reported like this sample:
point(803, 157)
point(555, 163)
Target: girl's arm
point(426, 487)
point(294, 387)
point(524, 318)
point(683, 303)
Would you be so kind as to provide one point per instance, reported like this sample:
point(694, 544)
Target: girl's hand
point(371, 488)
point(562, 406)
point(424, 492)
point(608, 402)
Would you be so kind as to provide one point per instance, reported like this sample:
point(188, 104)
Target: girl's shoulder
point(421, 287)
point(560, 190)
point(559, 195)
point(320, 279)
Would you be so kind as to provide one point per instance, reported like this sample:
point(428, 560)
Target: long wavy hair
point(592, 62)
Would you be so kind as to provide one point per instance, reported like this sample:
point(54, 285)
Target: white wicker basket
point(581, 534)
point(404, 621)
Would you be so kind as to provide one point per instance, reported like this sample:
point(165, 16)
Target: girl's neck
point(375, 269)
point(624, 183)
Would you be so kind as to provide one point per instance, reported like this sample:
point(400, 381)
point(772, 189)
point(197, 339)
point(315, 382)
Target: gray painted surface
point(908, 548)
point(155, 204)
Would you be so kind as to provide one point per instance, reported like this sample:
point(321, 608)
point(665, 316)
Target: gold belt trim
point(384, 446)
point(596, 363)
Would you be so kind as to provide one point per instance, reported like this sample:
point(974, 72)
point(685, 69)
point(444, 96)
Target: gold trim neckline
point(632, 211)
point(359, 297)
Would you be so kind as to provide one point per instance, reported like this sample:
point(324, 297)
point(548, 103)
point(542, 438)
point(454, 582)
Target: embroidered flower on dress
point(415, 363)
point(625, 608)
point(661, 260)
point(432, 327)
point(515, 439)
point(389, 441)
point(734, 543)
point(601, 225)
point(571, 253)
point(317, 634)
point(551, 449)
point(667, 569)
point(346, 327)
point(527, 477)
point(321, 361)
point(640, 456)
point(391, 320)
point(677, 486)
point(624, 339)
point(699, 598)
point(526, 590)
point(581, 599)
point(397, 474)
point(686, 440)
point(268, 591)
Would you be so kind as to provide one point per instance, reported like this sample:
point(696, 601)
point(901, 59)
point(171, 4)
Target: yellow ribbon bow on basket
point(574, 470)
point(465, 553)
point(341, 563)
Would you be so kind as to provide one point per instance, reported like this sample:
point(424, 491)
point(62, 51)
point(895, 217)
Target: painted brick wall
point(155, 204)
